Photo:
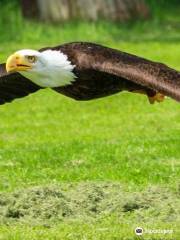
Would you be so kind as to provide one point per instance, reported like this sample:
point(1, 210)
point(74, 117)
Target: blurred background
point(38, 23)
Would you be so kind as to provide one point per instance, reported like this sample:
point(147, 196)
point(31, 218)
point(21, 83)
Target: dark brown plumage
point(14, 86)
point(100, 72)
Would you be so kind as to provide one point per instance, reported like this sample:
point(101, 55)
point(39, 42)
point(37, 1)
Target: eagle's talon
point(158, 97)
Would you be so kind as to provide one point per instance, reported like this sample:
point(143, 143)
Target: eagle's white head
point(49, 68)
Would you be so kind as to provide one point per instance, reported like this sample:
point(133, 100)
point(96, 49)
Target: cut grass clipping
point(87, 201)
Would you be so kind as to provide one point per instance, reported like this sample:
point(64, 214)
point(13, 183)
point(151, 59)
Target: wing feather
point(14, 86)
point(153, 75)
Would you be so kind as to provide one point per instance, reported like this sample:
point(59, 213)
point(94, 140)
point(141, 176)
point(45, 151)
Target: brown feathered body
point(100, 71)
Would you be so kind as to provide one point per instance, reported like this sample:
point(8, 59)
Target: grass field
point(51, 141)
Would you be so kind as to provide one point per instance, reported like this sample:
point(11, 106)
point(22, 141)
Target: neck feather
point(53, 70)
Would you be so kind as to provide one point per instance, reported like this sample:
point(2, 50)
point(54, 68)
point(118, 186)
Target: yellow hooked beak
point(17, 62)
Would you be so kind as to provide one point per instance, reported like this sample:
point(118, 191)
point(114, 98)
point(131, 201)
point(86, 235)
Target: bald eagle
point(85, 71)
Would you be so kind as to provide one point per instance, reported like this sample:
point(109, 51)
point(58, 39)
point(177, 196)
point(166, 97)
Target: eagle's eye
point(31, 59)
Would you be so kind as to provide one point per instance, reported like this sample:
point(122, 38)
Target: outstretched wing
point(153, 75)
point(14, 86)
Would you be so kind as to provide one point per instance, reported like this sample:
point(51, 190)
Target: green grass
point(107, 228)
point(118, 138)
point(47, 138)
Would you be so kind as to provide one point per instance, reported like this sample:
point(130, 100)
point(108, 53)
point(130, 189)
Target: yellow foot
point(158, 97)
